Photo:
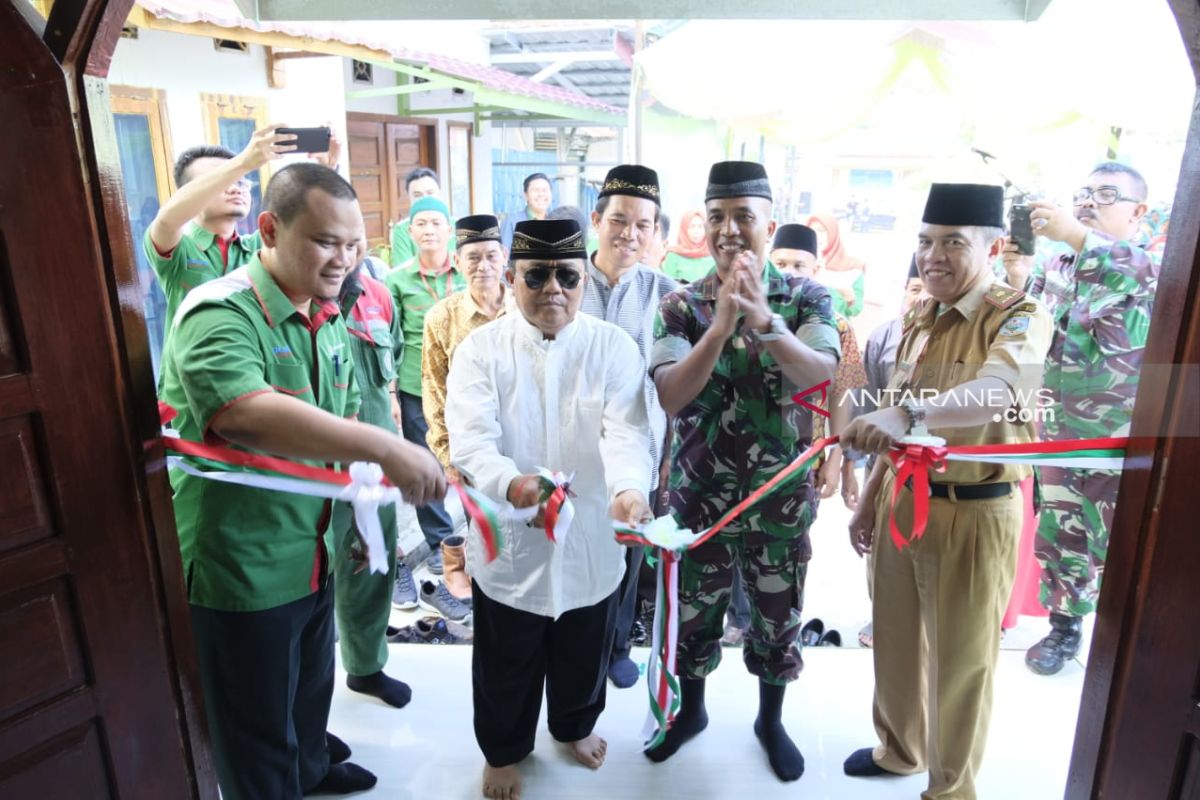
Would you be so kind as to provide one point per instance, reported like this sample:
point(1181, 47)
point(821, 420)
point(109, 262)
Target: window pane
point(141, 196)
point(235, 134)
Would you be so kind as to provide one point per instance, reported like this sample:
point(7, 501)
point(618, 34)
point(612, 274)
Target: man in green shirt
point(260, 359)
point(416, 285)
point(362, 599)
point(193, 238)
point(421, 182)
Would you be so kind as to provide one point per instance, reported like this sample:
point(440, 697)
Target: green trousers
point(362, 600)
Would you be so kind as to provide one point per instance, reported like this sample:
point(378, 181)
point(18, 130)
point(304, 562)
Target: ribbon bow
point(913, 460)
point(366, 493)
point(560, 511)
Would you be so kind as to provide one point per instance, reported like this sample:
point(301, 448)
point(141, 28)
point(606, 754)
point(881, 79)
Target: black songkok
point(737, 179)
point(968, 204)
point(795, 237)
point(477, 228)
point(547, 239)
point(913, 272)
point(632, 180)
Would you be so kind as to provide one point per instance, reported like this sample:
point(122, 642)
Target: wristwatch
point(916, 417)
point(775, 332)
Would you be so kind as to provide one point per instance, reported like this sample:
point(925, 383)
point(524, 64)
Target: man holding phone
point(1100, 295)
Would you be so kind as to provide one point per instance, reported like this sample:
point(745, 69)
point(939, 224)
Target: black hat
point(549, 239)
point(795, 237)
point(632, 180)
point(913, 272)
point(974, 204)
point(477, 228)
point(737, 179)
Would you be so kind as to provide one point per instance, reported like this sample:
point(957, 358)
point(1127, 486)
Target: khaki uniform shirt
point(992, 331)
point(446, 325)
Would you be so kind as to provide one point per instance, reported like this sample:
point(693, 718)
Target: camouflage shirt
point(1100, 304)
point(742, 428)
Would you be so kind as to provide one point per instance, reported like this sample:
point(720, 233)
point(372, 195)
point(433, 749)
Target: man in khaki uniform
point(970, 360)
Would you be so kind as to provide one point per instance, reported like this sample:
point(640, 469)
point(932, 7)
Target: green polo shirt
point(248, 549)
point(196, 260)
point(415, 292)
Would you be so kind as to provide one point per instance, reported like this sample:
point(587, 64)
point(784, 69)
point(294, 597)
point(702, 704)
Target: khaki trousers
point(937, 610)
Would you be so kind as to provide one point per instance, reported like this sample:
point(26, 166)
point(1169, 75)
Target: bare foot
point(501, 783)
point(590, 751)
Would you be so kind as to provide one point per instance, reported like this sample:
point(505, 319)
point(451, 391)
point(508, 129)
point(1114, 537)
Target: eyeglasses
point(537, 277)
point(1102, 195)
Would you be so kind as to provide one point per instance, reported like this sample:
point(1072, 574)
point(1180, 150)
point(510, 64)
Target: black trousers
point(516, 652)
point(268, 683)
point(627, 596)
point(432, 517)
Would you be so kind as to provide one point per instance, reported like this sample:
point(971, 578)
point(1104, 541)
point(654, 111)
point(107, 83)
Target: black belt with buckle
point(965, 491)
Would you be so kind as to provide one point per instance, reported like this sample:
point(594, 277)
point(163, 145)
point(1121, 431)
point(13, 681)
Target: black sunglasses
point(537, 277)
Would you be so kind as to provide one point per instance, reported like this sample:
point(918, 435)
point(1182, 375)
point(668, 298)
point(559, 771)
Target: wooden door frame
point(470, 129)
point(126, 100)
point(82, 35)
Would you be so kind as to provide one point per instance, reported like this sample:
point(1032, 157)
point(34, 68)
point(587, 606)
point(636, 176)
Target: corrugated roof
point(225, 14)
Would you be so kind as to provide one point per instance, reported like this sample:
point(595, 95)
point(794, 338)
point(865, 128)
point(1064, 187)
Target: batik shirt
point(743, 427)
point(1100, 304)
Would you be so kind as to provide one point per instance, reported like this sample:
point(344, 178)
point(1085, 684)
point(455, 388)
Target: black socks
point(339, 751)
point(344, 779)
point(389, 690)
point(691, 720)
point(861, 764)
point(785, 758)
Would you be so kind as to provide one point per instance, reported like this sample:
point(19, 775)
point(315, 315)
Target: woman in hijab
point(688, 259)
point(842, 272)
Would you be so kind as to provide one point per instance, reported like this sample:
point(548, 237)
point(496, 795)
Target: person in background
point(539, 195)
point(656, 251)
point(689, 260)
point(843, 273)
point(416, 286)
point(421, 182)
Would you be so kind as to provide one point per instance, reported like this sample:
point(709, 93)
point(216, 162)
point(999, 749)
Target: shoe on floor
point(427, 630)
point(436, 597)
point(637, 633)
point(623, 672)
point(404, 593)
point(830, 638)
point(810, 634)
point(434, 562)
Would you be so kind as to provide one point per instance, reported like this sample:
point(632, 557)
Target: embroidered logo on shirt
point(1014, 326)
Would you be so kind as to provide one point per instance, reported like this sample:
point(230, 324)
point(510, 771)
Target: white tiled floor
point(428, 750)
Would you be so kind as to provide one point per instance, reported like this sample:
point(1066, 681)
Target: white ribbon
point(365, 492)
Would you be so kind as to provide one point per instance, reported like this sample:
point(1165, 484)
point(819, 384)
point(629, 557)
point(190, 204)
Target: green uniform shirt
point(415, 292)
point(376, 345)
point(196, 260)
point(248, 549)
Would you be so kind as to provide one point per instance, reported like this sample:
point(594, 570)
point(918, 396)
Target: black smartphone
point(1020, 228)
point(309, 140)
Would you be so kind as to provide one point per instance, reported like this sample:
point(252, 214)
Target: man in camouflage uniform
point(730, 351)
point(1100, 295)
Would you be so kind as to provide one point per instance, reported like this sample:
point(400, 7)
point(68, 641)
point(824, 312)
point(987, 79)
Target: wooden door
point(92, 704)
point(370, 175)
point(383, 150)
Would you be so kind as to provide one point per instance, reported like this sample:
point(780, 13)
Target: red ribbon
point(554, 506)
point(913, 461)
point(670, 563)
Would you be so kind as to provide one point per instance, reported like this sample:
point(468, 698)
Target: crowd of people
point(664, 379)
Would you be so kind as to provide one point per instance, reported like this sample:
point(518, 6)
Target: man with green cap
point(730, 352)
point(416, 285)
point(420, 182)
point(622, 290)
point(970, 357)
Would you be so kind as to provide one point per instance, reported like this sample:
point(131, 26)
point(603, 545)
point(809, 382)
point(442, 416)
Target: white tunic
point(574, 404)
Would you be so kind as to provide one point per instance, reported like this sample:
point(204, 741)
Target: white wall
point(186, 66)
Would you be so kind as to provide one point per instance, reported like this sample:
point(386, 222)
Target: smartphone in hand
point(1020, 227)
point(309, 140)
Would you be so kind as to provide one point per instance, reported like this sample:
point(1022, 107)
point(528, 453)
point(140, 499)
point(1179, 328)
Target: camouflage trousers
point(1076, 515)
point(773, 577)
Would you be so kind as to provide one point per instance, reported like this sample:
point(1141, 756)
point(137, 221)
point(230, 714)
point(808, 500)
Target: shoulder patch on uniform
point(1002, 296)
point(1015, 325)
point(912, 316)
